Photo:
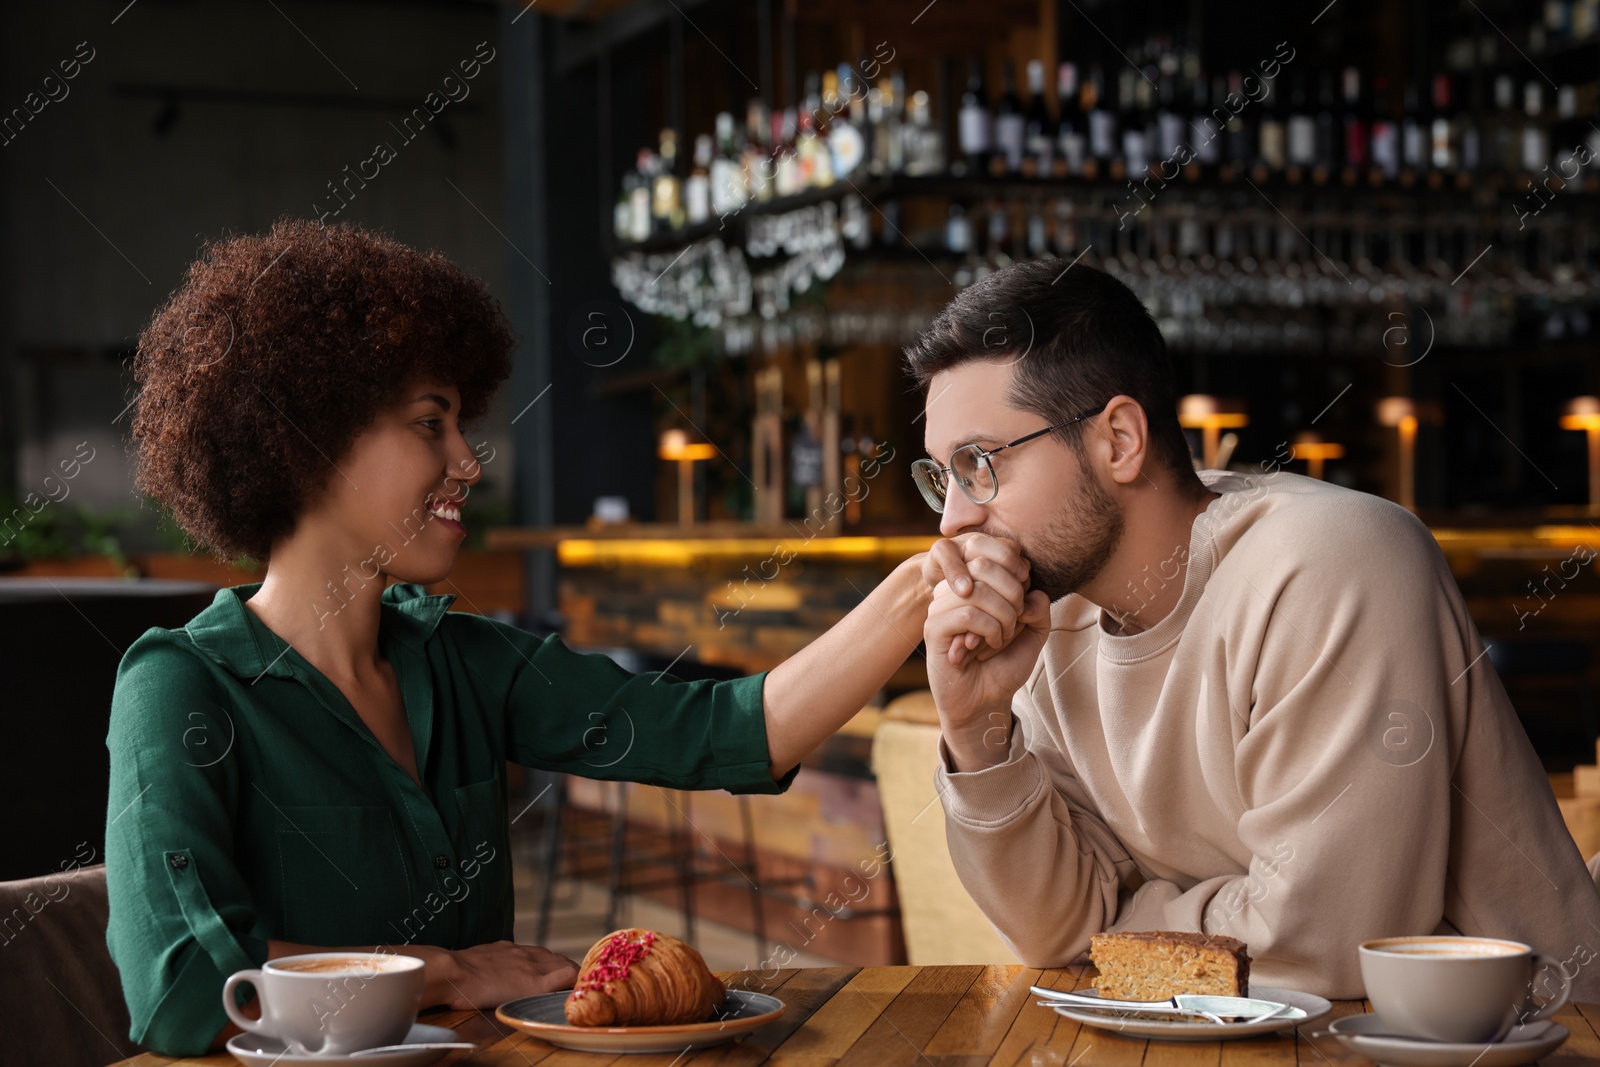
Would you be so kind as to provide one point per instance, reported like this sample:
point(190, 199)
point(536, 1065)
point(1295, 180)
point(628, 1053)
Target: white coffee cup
point(331, 1003)
point(1467, 990)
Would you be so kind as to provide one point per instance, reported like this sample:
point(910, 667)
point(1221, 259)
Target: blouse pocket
point(483, 816)
point(342, 875)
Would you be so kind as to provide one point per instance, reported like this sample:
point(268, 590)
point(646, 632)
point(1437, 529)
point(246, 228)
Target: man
point(1258, 707)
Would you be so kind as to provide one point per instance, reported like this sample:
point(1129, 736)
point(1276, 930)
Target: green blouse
point(249, 801)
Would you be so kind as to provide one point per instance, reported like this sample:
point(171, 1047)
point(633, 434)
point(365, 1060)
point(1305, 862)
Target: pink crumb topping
point(613, 963)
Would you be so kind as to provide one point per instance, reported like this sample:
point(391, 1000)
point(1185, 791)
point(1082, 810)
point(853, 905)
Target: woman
point(316, 761)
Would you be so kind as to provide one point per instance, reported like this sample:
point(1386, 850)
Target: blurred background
point(1367, 229)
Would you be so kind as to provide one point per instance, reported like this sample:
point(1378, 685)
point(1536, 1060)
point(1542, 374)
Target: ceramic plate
point(260, 1051)
point(543, 1017)
point(1359, 1034)
point(1189, 1029)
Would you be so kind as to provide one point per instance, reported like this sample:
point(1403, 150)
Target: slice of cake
point(1159, 964)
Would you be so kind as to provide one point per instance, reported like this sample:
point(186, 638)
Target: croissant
point(638, 977)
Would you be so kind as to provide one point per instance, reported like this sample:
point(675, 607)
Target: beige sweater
point(1309, 751)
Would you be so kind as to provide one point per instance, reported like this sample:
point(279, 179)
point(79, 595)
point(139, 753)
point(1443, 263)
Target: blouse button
point(179, 861)
point(441, 861)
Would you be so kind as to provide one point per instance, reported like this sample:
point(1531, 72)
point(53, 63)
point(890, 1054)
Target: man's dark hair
point(1078, 337)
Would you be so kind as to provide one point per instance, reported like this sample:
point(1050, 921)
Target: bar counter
point(747, 597)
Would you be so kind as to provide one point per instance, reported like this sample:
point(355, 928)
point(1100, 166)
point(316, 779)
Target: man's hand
point(981, 646)
point(969, 560)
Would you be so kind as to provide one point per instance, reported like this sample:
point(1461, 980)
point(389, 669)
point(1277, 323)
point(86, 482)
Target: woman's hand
point(486, 976)
point(976, 566)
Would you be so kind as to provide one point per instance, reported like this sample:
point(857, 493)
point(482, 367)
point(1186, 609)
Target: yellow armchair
point(942, 924)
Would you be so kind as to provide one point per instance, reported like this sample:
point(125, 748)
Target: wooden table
point(934, 1017)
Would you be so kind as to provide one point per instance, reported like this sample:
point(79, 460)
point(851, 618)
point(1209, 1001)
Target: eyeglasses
point(974, 473)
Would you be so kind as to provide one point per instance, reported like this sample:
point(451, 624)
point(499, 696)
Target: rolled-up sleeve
point(583, 714)
point(180, 913)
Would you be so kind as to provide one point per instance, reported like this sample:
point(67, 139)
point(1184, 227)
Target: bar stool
point(580, 844)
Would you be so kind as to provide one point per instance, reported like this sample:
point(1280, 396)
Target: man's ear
point(1126, 431)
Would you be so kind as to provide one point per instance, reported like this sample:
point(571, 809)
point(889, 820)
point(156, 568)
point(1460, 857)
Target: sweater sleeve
point(1040, 863)
point(1350, 660)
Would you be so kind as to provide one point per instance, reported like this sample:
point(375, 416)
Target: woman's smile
point(446, 511)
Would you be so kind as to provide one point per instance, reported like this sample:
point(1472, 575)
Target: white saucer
point(1524, 1044)
point(1183, 1028)
point(258, 1050)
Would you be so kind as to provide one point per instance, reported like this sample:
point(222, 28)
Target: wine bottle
point(811, 142)
point(895, 121)
point(1133, 162)
point(755, 157)
point(1274, 132)
point(1102, 125)
point(878, 128)
point(1357, 129)
point(1204, 134)
point(1066, 238)
point(957, 230)
point(1327, 130)
point(1535, 140)
point(1071, 136)
point(1385, 140)
point(1146, 92)
point(666, 194)
point(1567, 135)
point(1240, 143)
point(846, 146)
point(1444, 151)
point(924, 152)
point(1413, 137)
point(1038, 131)
point(998, 247)
point(728, 190)
point(1171, 125)
point(1038, 240)
point(1503, 150)
point(1302, 131)
point(1469, 135)
point(975, 123)
point(1010, 126)
point(640, 196)
point(850, 462)
point(622, 212)
point(787, 178)
point(697, 188)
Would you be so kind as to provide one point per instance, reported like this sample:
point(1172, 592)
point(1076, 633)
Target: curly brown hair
point(277, 351)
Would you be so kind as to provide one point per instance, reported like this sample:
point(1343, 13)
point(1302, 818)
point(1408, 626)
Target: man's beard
point(1072, 550)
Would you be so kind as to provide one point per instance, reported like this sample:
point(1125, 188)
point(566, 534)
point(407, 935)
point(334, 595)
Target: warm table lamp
point(1210, 415)
point(1583, 413)
point(1404, 413)
point(675, 444)
point(1315, 451)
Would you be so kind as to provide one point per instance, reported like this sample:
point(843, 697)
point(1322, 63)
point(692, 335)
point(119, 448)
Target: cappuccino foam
point(1448, 949)
point(341, 965)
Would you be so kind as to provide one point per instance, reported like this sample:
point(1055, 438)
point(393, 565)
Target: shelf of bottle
point(869, 187)
point(1434, 186)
